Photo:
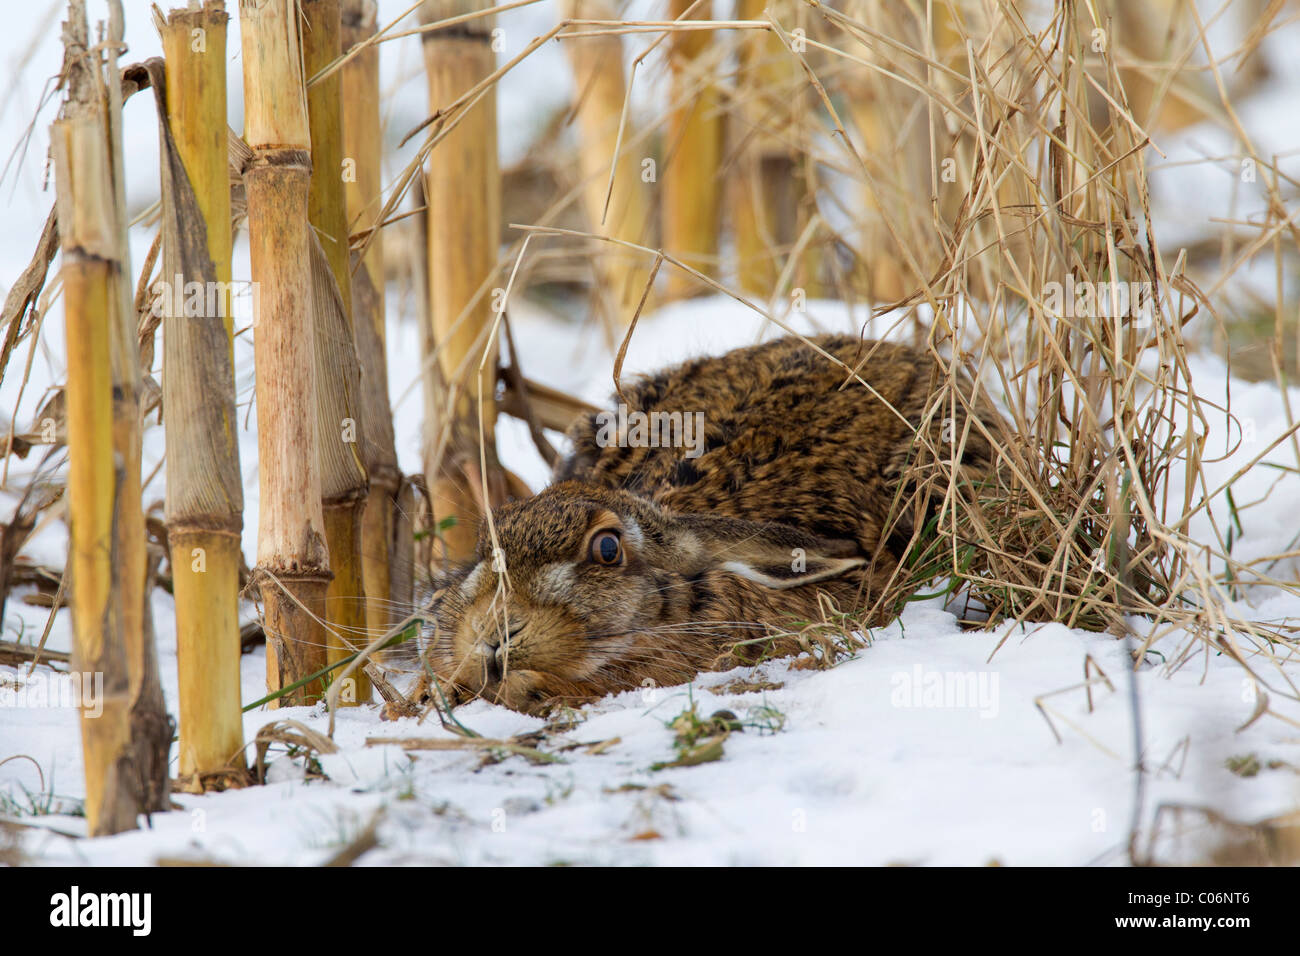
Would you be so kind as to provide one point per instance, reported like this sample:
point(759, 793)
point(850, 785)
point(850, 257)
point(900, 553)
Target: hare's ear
point(773, 555)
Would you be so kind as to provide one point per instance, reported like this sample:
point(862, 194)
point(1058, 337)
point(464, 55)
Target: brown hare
point(729, 493)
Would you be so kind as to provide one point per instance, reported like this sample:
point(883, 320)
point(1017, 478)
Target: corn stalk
point(293, 568)
point(463, 190)
point(363, 146)
point(205, 498)
point(126, 732)
point(620, 208)
point(766, 189)
point(338, 377)
point(691, 197)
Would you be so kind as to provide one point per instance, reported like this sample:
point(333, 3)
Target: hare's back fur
point(788, 436)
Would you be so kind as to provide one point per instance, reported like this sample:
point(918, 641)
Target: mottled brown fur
point(797, 458)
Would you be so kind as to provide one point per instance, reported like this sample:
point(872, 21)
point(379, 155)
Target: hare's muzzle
point(491, 651)
point(488, 660)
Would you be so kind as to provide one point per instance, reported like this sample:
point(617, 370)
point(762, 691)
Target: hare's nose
point(492, 653)
point(490, 657)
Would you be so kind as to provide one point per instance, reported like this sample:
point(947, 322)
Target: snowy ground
point(869, 765)
point(861, 773)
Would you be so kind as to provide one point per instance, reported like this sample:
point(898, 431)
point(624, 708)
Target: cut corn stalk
point(692, 189)
point(362, 147)
point(463, 195)
point(205, 498)
point(293, 568)
point(619, 207)
point(338, 379)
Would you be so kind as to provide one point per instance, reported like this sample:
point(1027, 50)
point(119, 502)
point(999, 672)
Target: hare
point(663, 547)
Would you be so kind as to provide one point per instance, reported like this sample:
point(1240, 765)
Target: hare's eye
point(605, 548)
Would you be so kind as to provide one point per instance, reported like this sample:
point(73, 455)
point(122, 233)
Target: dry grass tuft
point(1086, 519)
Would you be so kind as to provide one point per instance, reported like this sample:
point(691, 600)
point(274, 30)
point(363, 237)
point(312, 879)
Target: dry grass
point(1086, 521)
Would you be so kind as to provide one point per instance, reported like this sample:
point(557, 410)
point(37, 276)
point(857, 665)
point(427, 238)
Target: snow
point(861, 773)
point(873, 763)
